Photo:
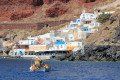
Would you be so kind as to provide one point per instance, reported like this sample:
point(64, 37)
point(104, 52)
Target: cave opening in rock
point(92, 0)
point(39, 3)
point(65, 1)
point(87, 1)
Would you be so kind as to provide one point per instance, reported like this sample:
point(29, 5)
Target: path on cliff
point(114, 4)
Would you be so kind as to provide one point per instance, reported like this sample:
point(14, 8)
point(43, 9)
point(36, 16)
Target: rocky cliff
point(18, 9)
point(95, 53)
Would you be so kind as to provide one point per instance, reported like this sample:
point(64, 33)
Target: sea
point(18, 69)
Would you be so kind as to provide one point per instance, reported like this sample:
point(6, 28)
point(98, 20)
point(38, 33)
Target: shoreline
point(55, 60)
point(95, 53)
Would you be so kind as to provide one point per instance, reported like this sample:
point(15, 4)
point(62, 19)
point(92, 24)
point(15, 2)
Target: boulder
point(106, 28)
point(106, 39)
point(68, 55)
point(117, 39)
point(112, 19)
point(77, 58)
point(117, 54)
point(116, 33)
point(71, 58)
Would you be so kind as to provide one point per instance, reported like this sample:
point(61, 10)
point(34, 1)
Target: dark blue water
point(19, 70)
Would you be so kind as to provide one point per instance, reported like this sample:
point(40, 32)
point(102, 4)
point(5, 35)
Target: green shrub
point(104, 18)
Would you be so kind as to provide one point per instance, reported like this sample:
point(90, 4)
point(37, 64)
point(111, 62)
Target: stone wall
point(30, 26)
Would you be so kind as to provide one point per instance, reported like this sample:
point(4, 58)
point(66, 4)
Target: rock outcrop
point(95, 53)
point(58, 8)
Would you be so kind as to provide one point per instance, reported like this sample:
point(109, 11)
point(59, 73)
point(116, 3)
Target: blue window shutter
point(78, 20)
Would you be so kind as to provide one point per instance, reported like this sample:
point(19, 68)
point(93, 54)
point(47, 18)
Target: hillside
point(109, 32)
point(42, 10)
point(32, 15)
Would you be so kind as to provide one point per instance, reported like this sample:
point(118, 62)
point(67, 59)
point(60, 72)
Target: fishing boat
point(39, 66)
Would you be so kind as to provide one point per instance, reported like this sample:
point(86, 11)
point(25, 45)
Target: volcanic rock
point(56, 9)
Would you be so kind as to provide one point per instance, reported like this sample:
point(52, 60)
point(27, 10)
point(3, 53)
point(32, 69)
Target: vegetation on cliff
point(104, 18)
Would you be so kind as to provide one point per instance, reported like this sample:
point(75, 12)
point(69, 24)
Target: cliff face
point(17, 9)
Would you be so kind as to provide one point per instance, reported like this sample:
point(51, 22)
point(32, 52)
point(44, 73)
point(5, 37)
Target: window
point(92, 24)
point(91, 15)
point(47, 25)
point(35, 42)
point(32, 43)
point(61, 46)
point(78, 44)
point(74, 20)
point(78, 20)
point(48, 39)
point(83, 17)
point(57, 46)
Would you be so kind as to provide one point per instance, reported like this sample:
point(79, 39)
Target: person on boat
point(39, 64)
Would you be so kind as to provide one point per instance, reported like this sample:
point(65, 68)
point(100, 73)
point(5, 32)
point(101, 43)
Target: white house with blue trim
point(60, 45)
point(19, 51)
point(74, 24)
point(89, 25)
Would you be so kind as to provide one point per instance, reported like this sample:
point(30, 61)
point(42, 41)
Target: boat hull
point(42, 69)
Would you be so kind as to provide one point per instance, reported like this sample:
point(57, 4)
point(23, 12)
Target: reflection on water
point(19, 70)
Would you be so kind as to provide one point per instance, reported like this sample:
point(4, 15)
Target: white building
point(29, 41)
point(87, 16)
point(71, 37)
point(46, 38)
point(60, 45)
point(75, 43)
point(74, 24)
